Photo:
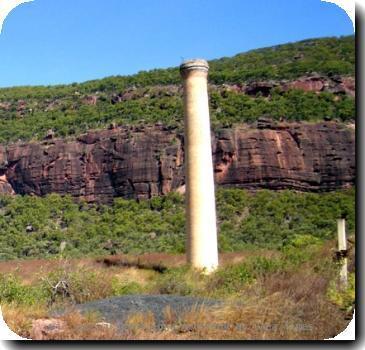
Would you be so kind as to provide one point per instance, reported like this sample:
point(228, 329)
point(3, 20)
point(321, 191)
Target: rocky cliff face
point(141, 162)
point(337, 85)
point(307, 157)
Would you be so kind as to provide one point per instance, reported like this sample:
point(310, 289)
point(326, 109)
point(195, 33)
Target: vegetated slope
point(35, 227)
point(325, 69)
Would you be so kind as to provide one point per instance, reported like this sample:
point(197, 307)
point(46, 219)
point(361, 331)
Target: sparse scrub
point(230, 280)
point(19, 317)
point(84, 327)
point(78, 286)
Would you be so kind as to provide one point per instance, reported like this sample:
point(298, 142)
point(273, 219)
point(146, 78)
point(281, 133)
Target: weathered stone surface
point(142, 162)
point(339, 85)
point(43, 329)
point(262, 87)
point(91, 100)
point(315, 82)
point(5, 186)
point(308, 157)
point(132, 163)
point(318, 83)
point(3, 158)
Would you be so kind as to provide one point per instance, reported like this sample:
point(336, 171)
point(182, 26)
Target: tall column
point(202, 250)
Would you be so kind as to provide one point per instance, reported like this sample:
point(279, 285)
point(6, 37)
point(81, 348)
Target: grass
point(265, 294)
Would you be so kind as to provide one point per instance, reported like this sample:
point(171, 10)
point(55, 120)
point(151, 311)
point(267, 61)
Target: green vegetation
point(327, 56)
point(343, 297)
point(299, 283)
point(28, 112)
point(83, 284)
point(12, 290)
point(231, 108)
point(231, 279)
point(35, 227)
point(279, 245)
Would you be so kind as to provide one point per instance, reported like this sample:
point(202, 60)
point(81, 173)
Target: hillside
point(309, 80)
point(92, 202)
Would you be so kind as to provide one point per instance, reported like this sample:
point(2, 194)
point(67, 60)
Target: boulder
point(44, 329)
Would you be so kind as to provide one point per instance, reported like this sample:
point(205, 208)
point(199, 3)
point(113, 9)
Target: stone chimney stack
point(202, 248)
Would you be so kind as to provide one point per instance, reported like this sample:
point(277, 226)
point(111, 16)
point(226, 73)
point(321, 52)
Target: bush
point(344, 298)
point(78, 286)
point(119, 288)
point(175, 281)
point(261, 265)
point(12, 290)
point(302, 241)
point(229, 280)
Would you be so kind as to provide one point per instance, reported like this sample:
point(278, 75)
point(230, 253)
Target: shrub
point(12, 290)
point(343, 297)
point(261, 265)
point(77, 286)
point(119, 288)
point(229, 280)
point(175, 281)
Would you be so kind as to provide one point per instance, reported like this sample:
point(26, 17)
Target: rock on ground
point(44, 328)
point(116, 310)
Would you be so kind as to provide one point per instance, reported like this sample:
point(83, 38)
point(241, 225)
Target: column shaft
point(202, 251)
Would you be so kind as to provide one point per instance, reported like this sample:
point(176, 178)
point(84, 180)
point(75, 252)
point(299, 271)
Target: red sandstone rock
point(348, 84)
point(5, 187)
point(90, 100)
point(5, 105)
point(142, 162)
point(306, 84)
point(299, 156)
point(43, 329)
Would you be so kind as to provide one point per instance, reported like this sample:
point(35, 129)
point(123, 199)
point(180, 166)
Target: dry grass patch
point(19, 318)
point(83, 327)
point(288, 294)
point(134, 275)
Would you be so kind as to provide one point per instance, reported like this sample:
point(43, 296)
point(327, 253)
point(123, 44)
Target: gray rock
point(117, 309)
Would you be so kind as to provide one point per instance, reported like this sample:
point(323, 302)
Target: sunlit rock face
point(142, 162)
point(307, 157)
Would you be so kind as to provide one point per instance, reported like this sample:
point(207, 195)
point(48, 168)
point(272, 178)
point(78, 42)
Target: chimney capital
point(194, 65)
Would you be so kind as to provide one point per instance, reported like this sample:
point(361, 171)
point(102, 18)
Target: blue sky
point(63, 41)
